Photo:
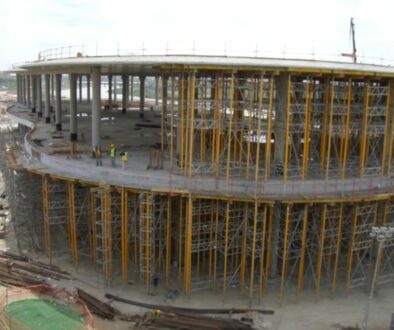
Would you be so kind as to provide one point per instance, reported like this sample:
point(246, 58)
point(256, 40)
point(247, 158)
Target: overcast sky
point(272, 27)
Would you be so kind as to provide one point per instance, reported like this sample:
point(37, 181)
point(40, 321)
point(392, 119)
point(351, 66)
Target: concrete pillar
point(280, 121)
point(142, 96)
point(114, 88)
point(33, 84)
point(80, 88)
point(23, 85)
point(52, 91)
point(73, 107)
point(28, 91)
point(58, 104)
point(47, 98)
point(25, 77)
point(96, 82)
point(110, 92)
point(156, 90)
point(275, 241)
point(39, 97)
point(131, 88)
point(88, 87)
point(125, 92)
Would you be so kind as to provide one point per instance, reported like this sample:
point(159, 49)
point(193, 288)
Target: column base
point(141, 115)
point(47, 120)
point(39, 114)
point(124, 110)
point(73, 137)
point(58, 127)
point(33, 110)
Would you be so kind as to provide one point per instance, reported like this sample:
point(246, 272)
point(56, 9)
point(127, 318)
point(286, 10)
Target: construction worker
point(123, 156)
point(112, 154)
point(98, 154)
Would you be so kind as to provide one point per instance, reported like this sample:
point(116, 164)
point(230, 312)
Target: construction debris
point(96, 306)
point(20, 271)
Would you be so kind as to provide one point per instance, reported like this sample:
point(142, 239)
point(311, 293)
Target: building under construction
point(246, 173)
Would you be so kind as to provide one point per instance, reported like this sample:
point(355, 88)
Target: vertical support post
point(259, 117)
point(88, 88)
point(28, 82)
point(251, 110)
point(124, 199)
point(58, 104)
point(72, 222)
point(226, 250)
point(307, 130)
point(338, 251)
point(269, 131)
point(262, 253)
point(92, 225)
point(168, 239)
point(125, 92)
point(329, 133)
point(33, 84)
point(96, 107)
point(163, 112)
point(73, 107)
point(47, 99)
point(244, 247)
point(364, 131)
point(387, 132)
point(287, 129)
point(191, 122)
point(302, 256)
point(156, 90)
point(142, 96)
point(252, 258)
point(182, 123)
point(321, 250)
point(284, 256)
point(109, 92)
point(39, 96)
point(188, 245)
point(108, 235)
point(172, 105)
point(347, 128)
point(45, 209)
point(350, 253)
point(131, 89)
point(230, 124)
point(80, 88)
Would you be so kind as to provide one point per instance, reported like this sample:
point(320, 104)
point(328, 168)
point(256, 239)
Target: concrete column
point(131, 88)
point(73, 107)
point(39, 97)
point(142, 96)
point(114, 88)
point(125, 92)
point(33, 84)
point(280, 121)
point(110, 92)
point(47, 98)
point(52, 91)
point(88, 87)
point(58, 104)
point(25, 77)
point(80, 88)
point(28, 91)
point(23, 94)
point(156, 90)
point(96, 82)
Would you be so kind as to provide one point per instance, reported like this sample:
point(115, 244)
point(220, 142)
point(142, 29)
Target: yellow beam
point(338, 252)
point(124, 235)
point(191, 114)
point(258, 134)
point(284, 256)
point(226, 249)
point(45, 208)
point(269, 131)
point(230, 124)
point(364, 131)
point(252, 258)
point(302, 256)
point(287, 130)
point(321, 250)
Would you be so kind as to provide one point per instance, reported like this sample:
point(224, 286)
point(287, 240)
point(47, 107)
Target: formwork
point(299, 141)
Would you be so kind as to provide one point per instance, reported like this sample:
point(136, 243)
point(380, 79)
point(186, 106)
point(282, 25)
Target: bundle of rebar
point(21, 271)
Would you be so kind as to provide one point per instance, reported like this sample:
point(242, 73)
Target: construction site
point(242, 175)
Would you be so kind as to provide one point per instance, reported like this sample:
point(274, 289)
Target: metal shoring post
point(210, 242)
point(321, 250)
point(307, 130)
point(328, 151)
point(391, 134)
point(163, 110)
point(251, 110)
point(269, 129)
point(225, 250)
point(203, 114)
point(172, 121)
point(215, 255)
point(147, 239)
point(187, 124)
point(124, 235)
point(45, 208)
point(364, 131)
point(302, 257)
point(92, 231)
point(182, 123)
point(386, 132)
point(262, 252)
point(251, 281)
point(259, 113)
point(72, 220)
point(188, 244)
point(338, 251)
point(287, 132)
point(191, 137)
point(347, 129)
point(108, 233)
point(323, 140)
point(380, 234)
point(269, 236)
point(244, 247)
point(350, 253)
point(168, 238)
point(230, 124)
point(219, 98)
point(180, 239)
point(284, 256)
